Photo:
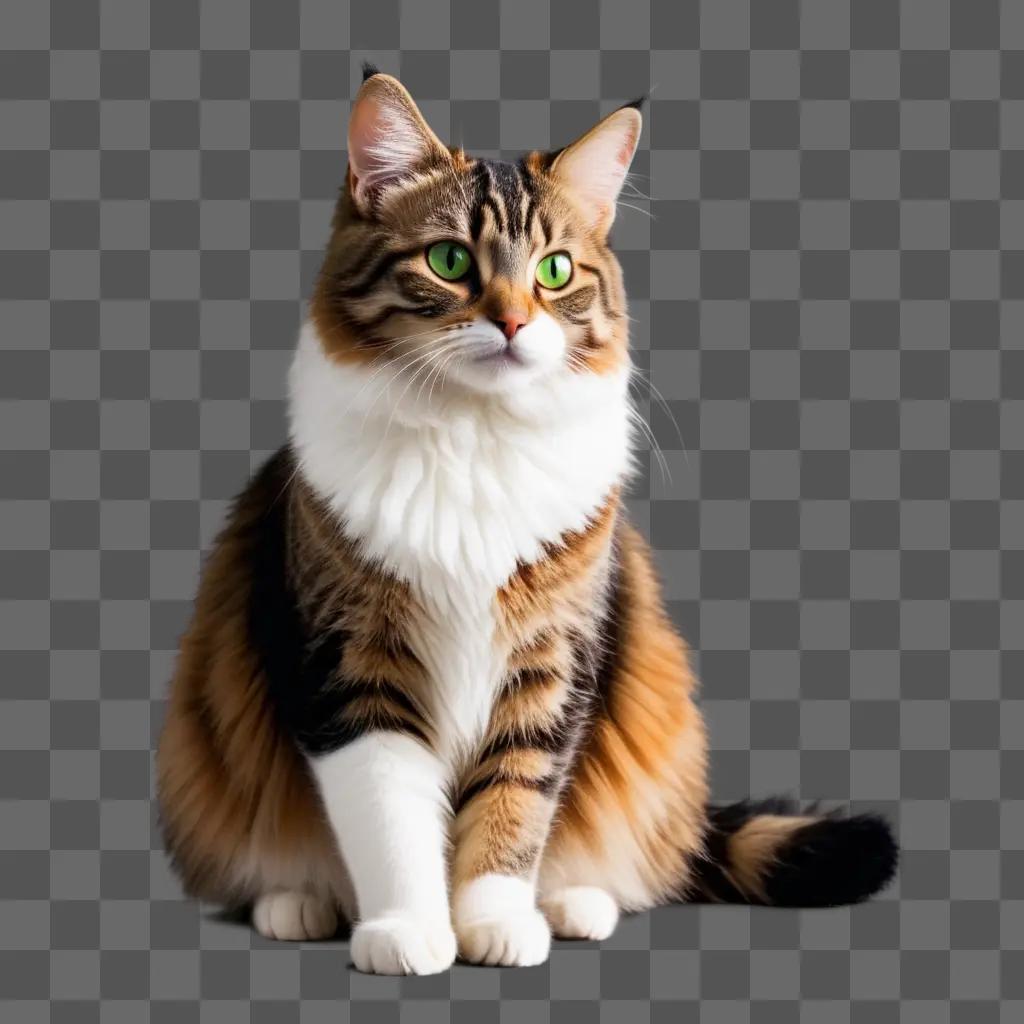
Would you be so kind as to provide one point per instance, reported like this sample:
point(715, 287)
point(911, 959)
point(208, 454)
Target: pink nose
point(510, 323)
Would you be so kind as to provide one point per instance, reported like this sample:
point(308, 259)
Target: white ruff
point(451, 490)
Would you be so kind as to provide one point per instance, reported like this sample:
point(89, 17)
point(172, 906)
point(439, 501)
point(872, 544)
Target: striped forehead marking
point(509, 192)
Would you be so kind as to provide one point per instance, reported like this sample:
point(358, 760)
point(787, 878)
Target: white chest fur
point(451, 491)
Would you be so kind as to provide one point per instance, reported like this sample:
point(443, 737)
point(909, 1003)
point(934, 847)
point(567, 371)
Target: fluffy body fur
point(429, 684)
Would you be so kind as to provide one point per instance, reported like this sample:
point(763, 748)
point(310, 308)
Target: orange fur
point(240, 813)
point(601, 786)
point(643, 767)
point(754, 849)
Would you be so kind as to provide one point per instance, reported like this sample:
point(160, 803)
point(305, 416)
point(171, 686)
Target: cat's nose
point(510, 322)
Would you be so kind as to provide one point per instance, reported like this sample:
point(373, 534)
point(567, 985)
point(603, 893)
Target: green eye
point(449, 260)
point(554, 271)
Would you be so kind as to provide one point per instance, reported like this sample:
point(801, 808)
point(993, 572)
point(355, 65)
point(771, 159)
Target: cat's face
point(454, 272)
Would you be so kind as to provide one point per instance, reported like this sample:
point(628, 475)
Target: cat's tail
point(769, 852)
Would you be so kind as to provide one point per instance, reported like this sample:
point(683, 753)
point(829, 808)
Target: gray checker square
point(823, 240)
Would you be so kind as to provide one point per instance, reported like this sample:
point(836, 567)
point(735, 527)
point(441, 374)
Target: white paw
point(403, 945)
point(581, 912)
point(519, 939)
point(498, 923)
point(294, 916)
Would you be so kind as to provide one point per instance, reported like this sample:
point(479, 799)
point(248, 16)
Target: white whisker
point(639, 209)
point(638, 374)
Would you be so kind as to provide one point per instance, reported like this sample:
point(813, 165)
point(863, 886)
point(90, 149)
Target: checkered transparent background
point(829, 296)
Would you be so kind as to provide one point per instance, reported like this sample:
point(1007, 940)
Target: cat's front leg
point(499, 836)
point(385, 797)
point(502, 824)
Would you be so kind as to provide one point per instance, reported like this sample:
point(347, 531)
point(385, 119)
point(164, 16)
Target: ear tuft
point(369, 70)
point(594, 167)
point(388, 139)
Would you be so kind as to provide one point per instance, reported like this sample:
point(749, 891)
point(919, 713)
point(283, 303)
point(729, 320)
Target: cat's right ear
point(594, 167)
point(388, 140)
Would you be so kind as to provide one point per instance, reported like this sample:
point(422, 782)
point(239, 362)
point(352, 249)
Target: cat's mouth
point(489, 362)
point(502, 355)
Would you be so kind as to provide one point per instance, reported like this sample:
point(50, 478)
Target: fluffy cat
point(429, 684)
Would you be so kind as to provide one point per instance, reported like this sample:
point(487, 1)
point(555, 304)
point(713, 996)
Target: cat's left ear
point(595, 165)
point(388, 139)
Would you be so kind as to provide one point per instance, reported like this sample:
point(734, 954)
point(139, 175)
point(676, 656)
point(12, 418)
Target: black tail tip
point(834, 861)
point(369, 70)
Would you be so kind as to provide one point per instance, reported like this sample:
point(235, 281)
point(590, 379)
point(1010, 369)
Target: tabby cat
point(430, 686)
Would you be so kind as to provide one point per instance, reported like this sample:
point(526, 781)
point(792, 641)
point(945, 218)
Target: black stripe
point(394, 309)
point(381, 266)
point(545, 226)
point(555, 739)
point(531, 677)
point(580, 321)
point(546, 785)
point(575, 305)
point(419, 288)
point(602, 286)
point(530, 186)
point(485, 182)
point(531, 209)
point(387, 691)
point(393, 644)
point(490, 204)
point(526, 178)
point(509, 187)
point(300, 671)
point(352, 723)
point(476, 219)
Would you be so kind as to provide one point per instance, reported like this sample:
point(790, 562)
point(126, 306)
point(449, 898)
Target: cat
point(430, 686)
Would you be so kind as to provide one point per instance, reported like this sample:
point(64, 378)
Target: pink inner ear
point(595, 166)
point(365, 132)
point(625, 153)
point(385, 143)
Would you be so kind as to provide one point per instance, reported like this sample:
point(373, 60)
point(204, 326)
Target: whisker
point(662, 401)
point(390, 362)
point(636, 191)
point(435, 367)
point(639, 209)
point(645, 428)
point(411, 360)
point(381, 361)
point(443, 372)
point(423, 367)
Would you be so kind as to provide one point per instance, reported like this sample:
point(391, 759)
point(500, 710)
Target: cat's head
point(478, 274)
